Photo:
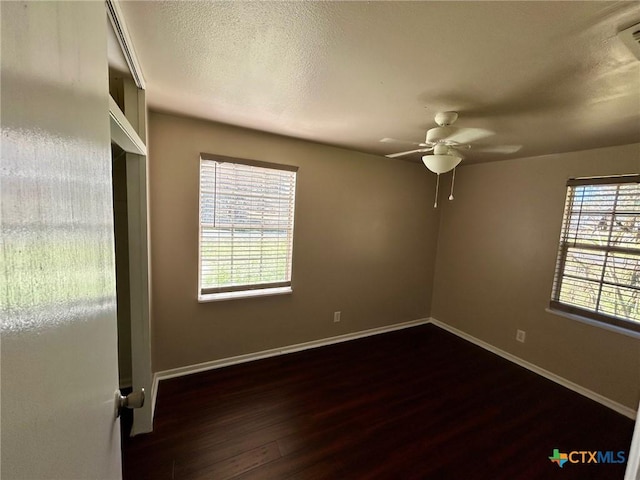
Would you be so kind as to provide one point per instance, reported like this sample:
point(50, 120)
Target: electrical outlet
point(336, 317)
point(520, 335)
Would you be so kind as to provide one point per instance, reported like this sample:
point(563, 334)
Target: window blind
point(598, 266)
point(246, 224)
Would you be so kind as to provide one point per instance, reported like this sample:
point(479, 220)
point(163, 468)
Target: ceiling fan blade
point(396, 140)
point(469, 135)
point(400, 154)
point(498, 149)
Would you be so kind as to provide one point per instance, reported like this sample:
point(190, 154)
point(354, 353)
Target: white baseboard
point(607, 402)
point(225, 362)
point(249, 357)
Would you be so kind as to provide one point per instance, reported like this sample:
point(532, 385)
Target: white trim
point(594, 323)
point(139, 285)
point(124, 39)
point(138, 235)
point(613, 405)
point(258, 292)
point(633, 460)
point(122, 132)
point(154, 395)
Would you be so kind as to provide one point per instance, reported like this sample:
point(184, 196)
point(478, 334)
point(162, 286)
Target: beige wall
point(495, 263)
point(364, 244)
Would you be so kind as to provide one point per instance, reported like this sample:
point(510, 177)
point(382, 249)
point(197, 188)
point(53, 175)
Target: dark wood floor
point(418, 403)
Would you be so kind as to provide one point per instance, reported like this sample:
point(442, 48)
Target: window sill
point(265, 292)
point(594, 323)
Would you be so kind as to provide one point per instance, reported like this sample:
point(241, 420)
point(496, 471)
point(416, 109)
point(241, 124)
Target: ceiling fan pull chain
point(435, 203)
point(453, 179)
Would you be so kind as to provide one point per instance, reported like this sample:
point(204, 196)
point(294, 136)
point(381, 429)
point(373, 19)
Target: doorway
point(121, 231)
point(123, 293)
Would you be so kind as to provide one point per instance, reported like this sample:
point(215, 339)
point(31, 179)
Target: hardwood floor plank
point(418, 403)
point(231, 467)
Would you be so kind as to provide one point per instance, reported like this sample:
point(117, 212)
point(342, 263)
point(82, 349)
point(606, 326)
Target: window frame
point(211, 294)
point(573, 311)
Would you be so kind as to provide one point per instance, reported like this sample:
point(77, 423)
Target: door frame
point(129, 132)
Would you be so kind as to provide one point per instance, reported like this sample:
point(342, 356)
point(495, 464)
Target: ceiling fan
point(444, 135)
point(446, 143)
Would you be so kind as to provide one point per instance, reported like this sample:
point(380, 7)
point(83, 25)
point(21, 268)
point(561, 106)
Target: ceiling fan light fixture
point(441, 163)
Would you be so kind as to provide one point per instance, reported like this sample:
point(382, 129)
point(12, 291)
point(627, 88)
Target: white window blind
point(246, 224)
point(598, 267)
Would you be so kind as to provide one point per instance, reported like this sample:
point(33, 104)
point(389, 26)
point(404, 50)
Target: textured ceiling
point(550, 76)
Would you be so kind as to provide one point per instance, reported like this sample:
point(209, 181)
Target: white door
point(57, 282)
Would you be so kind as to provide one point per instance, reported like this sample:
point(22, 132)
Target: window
point(246, 227)
point(598, 267)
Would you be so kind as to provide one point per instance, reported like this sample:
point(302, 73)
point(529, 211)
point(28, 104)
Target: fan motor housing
point(444, 119)
point(439, 134)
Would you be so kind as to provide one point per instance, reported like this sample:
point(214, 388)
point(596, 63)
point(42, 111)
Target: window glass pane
point(589, 228)
point(580, 293)
point(629, 200)
point(623, 269)
point(620, 302)
point(598, 266)
point(246, 214)
point(625, 231)
point(587, 264)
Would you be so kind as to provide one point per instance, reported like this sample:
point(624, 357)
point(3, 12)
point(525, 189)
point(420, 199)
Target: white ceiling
point(550, 76)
